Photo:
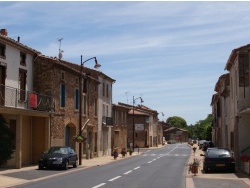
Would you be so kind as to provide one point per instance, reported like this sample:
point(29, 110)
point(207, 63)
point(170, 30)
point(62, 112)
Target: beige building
point(119, 129)
point(231, 104)
point(26, 111)
point(142, 129)
point(222, 131)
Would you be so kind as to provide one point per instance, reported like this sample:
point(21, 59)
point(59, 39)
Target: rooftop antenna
point(60, 51)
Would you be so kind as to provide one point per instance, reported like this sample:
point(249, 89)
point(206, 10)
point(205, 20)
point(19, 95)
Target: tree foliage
point(6, 143)
point(202, 129)
point(177, 121)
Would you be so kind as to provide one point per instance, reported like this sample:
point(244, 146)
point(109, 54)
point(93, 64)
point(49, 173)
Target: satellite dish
point(60, 55)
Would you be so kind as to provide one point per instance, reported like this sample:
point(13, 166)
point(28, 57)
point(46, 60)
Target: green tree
point(203, 128)
point(177, 121)
point(6, 143)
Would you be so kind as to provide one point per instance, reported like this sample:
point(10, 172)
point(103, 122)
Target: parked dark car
point(207, 144)
point(218, 159)
point(58, 156)
point(200, 143)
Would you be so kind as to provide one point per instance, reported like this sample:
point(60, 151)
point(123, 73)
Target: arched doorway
point(70, 132)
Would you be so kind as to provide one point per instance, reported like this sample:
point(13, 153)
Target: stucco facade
point(231, 104)
point(24, 110)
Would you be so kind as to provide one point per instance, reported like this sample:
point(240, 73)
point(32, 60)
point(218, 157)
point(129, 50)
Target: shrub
point(7, 142)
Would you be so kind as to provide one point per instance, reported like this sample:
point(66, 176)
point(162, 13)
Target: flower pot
point(194, 169)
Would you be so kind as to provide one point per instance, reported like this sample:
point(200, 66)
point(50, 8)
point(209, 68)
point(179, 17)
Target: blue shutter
point(62, 95)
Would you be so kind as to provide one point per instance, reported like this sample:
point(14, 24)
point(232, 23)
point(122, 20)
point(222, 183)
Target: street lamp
point(158, 127)
point(134, 119)
point(97, 65)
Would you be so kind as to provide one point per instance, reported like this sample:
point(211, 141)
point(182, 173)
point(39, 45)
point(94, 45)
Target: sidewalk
point(7, 181)
point(191, 178)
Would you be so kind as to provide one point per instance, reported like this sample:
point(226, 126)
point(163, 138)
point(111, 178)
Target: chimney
point(4, 32)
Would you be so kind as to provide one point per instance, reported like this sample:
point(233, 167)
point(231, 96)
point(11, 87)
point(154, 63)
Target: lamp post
point(161, 126)
point(97, 65)
point(134, 119)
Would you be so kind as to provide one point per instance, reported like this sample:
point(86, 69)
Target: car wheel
point(40, 167)
point(66, 165)
point(75, 164)
point(205, 170)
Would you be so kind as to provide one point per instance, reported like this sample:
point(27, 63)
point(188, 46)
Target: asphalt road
point(159, 168)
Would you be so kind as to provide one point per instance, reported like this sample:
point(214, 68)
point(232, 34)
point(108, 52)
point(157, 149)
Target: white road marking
point(128, 172)
point(149, 161)
point(114, 178)
point(101, 184)
point(137, 167)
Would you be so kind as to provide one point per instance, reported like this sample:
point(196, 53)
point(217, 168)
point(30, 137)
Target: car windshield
point(57, 150)
point(218, 153)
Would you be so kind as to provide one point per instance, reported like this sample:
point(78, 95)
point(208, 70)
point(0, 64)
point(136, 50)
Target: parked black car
point(200, 143)
point(218, 159)
point(58, 156)
point(207, 144)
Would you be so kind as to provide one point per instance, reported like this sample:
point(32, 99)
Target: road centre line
point(137, 168)
point(114, 178)
point(127, 172)
point(101, 184)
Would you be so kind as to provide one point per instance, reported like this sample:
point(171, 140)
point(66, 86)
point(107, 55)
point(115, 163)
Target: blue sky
point(170, 53)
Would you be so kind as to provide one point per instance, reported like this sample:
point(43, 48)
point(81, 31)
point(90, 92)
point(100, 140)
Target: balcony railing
point(21, 99)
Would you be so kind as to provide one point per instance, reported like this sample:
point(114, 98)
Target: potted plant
point(130, 151)
point(194, 166)
point(79, 138)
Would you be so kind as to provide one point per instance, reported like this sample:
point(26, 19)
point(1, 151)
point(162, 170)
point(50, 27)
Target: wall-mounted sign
point(139, 127)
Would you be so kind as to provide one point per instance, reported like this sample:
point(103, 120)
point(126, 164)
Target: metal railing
point(21, 99)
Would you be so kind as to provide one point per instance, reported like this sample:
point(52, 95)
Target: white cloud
point(170, 52)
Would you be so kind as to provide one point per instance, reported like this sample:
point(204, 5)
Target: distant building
point(177, 134)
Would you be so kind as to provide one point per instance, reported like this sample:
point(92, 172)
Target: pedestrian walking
point(115, 153)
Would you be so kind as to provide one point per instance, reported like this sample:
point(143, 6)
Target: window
point(243, 70)
point(2, 50)
point(22, 84)
point(103, 89)
point(103, 110)
point(107, 90)
point(63, 94)
point(2, 83)
point(62, 75)
point(76, 99)
point(85, 85)
point(22, 58)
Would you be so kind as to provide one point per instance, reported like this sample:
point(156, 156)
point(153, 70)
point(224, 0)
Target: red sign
point(33, 100)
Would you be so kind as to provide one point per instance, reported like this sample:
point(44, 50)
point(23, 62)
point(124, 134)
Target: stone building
point(62, 79)
point(119, 129)
point(142, 126)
